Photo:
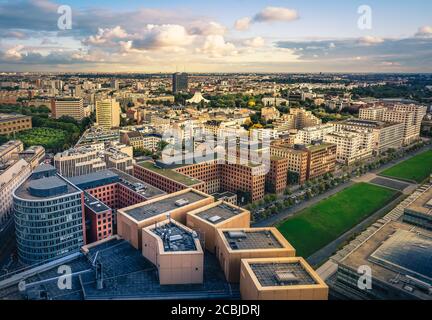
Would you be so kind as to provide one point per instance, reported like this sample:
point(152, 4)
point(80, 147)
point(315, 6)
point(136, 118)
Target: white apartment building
point(310, 134)
point(351, 145)
point(386, 135)
point(12, 174)
point(409, 114)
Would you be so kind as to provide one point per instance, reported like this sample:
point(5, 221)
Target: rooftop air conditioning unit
point(237, 234)
point(175, 238)
point(181, 202)
point(286, 276)
point(214, 219)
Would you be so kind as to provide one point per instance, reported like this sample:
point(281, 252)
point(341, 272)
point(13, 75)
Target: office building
point(131, 220)
point(235, 244)
point(419, 212)
point(352, 146)
point(49, 217)
point(79, 161)
point(9, 149)
point(321, 159)
point(12, 123)
point(108, 113)
point(277, 176)
point(280, 279)
point(180, 82)
point(70, 107)
point(176, 252)
point(399, 257)
point(217, 215)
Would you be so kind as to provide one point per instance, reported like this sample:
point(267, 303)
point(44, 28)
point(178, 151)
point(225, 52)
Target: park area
point(417, 169)
point(50, 139)
point(315, 227)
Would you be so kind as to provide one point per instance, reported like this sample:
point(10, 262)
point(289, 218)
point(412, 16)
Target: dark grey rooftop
point(219, 213)
point(94, 204)
point(93, 177)
point(155, 208)
point(406, 252)
point(281, 274)
point(145, 189)
point(126, 275)
point(61, 186)
point(251, 240)
point(175, 238)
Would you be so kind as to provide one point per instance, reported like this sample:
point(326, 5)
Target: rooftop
point(422, 204)
point(251, 239)
point(395, 251)
point(169, 173)
point(126, 274)
point(219, 213)
point(281, 274)
point(166, 204)
point(94, 204)
point(95, 179)
point(146, 190)
point(11, 116)
point(175, 238)
point(45, 188)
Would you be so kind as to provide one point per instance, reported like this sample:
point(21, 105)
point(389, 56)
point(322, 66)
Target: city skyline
point(252, 36)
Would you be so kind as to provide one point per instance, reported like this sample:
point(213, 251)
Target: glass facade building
point(49, 216)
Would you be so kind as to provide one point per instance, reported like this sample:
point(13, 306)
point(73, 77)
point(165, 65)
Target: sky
point(216, 36)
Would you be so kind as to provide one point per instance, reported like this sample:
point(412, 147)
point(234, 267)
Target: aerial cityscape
point(230, 150)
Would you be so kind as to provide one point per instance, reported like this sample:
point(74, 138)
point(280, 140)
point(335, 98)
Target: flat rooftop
point(251, 239)
point(169, 173)
point(57, 184)
point(281, 274)
point(11, 116)
point(219, 213)
point(137, 185)
point(94, 204)
point(148, 210)
point(95, 178)
point(422, 204)
point(392, 255)
point(175, 238)
point(126, 275)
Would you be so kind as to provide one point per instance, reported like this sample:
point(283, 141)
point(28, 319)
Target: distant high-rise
point(180, 82)
point(108, 113)
point(71, 107)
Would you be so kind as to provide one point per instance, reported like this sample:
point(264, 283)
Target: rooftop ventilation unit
point(175, 238)
point(181, 202)
point(214, 219)
point(286, 276)
point(237, 234)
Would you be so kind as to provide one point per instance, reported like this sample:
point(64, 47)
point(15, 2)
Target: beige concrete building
point(11, 123)
point(233, 245)
point(71, 107)
point(79, 161)
point(131, 220)
point(108, 113)
point(176, 252)
point(10, 148)
point(217, 215)
point(280, 279)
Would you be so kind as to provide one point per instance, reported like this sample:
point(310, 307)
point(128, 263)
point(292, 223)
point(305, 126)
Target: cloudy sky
point(216, 36)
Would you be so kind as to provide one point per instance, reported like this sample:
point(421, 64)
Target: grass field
point(417, 168)
point(317, 226)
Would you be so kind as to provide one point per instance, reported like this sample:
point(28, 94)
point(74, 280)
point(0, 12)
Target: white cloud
point(207, 28)
point(14, 53)
point(243, 23)
point(216, 46)
point(106, 36)
point(425, 31)
point(254, 42)
point(163, 36)
point(276, 14)
point(370, 40)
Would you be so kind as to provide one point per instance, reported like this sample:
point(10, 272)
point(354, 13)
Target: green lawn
point(317, 226)
point(46, 137)
point(417, 168)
